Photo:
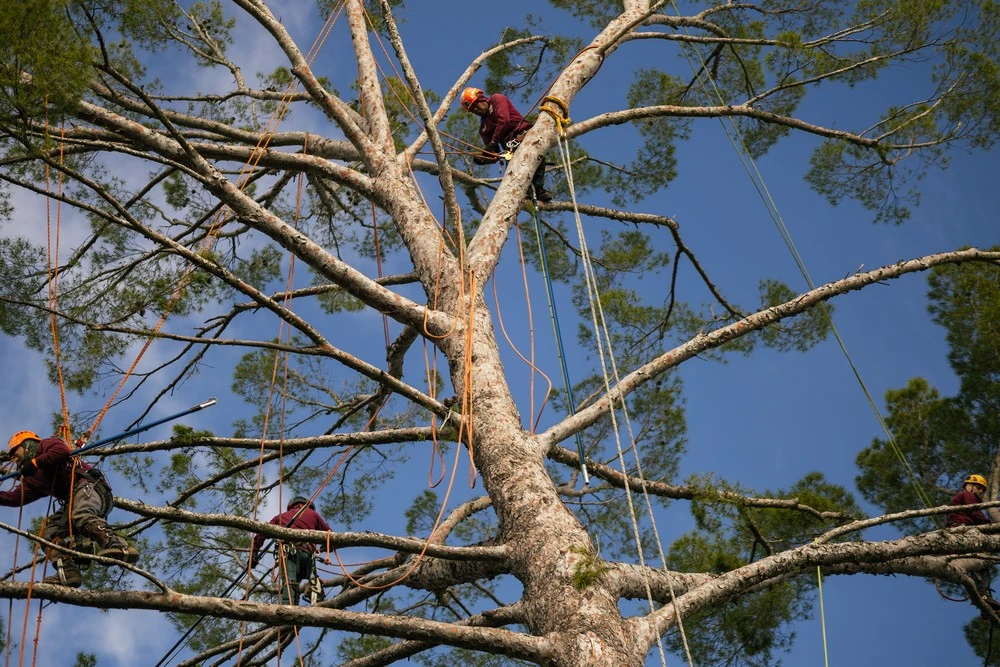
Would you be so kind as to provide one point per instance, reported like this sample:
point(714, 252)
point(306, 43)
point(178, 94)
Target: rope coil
point(562, 118)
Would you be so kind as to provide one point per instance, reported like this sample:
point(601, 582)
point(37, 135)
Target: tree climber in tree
point(502, 129)
point(299, 561)
point(46, 469)
point(972, 493)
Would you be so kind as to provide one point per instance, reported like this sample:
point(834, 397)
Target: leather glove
point(485, 158)
point(254, 560)
point(28, 468)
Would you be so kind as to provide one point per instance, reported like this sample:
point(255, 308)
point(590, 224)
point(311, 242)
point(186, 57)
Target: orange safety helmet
point(18, 439)
point(975, 479)
point(469, 97)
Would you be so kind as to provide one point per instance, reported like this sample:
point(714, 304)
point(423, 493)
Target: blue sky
point(762, 421)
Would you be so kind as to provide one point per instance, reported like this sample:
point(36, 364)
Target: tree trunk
point(547, 543)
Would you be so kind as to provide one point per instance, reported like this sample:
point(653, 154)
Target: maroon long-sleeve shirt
point(502, 122)
point(966, 517)
point(51, 478)
point(308, 520)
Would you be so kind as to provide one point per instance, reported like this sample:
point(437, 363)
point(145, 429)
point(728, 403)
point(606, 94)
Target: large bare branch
point(503, 642)
point(755, 322)
point(317, 537)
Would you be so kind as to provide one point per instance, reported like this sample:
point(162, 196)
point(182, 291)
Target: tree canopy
point(287, 210)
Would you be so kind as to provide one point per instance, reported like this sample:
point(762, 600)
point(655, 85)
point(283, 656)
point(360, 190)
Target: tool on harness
point(508, 153)
point(67, 574)
point(314, 586)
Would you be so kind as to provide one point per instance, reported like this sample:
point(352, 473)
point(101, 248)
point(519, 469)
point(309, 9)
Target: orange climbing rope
point(52, 275)
point(242, 180)
point(532, 418)
point(52, 266)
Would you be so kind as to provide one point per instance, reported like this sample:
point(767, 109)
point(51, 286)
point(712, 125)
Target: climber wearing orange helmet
point(972, 492)
point(502, 128)
point(46, 469)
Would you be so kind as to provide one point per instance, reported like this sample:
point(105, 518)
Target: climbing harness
point(507, 150)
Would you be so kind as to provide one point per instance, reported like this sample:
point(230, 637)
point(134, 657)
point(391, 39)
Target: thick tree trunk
point(547, 543)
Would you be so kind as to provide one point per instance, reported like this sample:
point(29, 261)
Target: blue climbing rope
point(553, 313)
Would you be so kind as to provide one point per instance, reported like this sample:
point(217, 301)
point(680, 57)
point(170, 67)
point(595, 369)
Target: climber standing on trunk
point(502, 129)
point(47, 469)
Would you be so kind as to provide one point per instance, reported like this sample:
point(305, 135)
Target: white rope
point(597, 313)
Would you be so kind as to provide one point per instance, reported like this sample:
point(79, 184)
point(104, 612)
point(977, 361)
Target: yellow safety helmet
point(975, 479)
point(18, 439)
point(469, 97)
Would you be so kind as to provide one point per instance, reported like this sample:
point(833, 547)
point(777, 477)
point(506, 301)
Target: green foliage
point(931, 434)
point(262, 267)
point(466, 658)
point(187, 436)
point(747, 631)
point(21, 276)
point(599, 12)
point(177, 190)
point(422, 516)
point(422, 512)
point(200, 559)
point(560, 264)
point(655, 163)
point(884, 177)
point(41, 67)
point(753, 629)
point(206, 22)
point(984, 640)
point(351, 648)
point(85, 660)
point(798, 333)
point(520, 71)
point(336, 300)
point(625, 265)
point(965, 299)
point(588, 570)
point(839, 170)
point(781, 528)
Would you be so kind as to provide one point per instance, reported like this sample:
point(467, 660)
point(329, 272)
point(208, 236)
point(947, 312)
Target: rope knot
point(559, 114)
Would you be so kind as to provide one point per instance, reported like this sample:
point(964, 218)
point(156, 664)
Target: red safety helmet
point(469, 97)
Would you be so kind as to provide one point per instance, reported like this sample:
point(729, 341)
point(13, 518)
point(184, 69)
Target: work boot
point(543, 196)
point(67, 575)
point(111, 544)
point(119, 549)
